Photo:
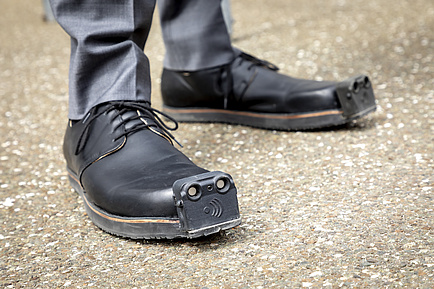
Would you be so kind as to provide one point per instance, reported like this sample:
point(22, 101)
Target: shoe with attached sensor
point(249, 91)
point(135, 183)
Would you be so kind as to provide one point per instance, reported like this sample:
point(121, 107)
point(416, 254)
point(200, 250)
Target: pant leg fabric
point(195, 34)
point(107, 42)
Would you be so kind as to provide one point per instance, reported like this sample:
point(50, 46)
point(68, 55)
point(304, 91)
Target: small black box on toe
point(356, 96)
point(206, 202)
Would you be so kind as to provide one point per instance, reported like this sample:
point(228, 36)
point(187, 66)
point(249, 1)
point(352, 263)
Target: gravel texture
point(351, 207)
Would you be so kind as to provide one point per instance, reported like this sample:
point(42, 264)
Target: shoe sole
point(277, 121)
point(143, 227)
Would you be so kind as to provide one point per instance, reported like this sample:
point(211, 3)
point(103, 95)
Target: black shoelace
point(149, 119)
point(258, 62)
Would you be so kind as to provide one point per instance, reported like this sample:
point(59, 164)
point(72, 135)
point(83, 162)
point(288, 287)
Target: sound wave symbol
point(217, 208)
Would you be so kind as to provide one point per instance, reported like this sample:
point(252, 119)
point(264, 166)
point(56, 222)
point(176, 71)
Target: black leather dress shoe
point(250, 92)
point(136, 184)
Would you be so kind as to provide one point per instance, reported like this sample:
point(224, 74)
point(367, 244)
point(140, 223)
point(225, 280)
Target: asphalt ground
point(351, 207)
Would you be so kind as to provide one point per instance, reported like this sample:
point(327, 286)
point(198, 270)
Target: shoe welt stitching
point(258, 115)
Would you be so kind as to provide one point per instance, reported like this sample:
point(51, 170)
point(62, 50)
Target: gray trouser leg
point(107, 60)
point(195, 34)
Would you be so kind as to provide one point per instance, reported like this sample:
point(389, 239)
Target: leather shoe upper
point(124, 160)
point(248, 84)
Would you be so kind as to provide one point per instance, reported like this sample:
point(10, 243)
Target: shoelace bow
point(227, 73)
point(155, 123)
